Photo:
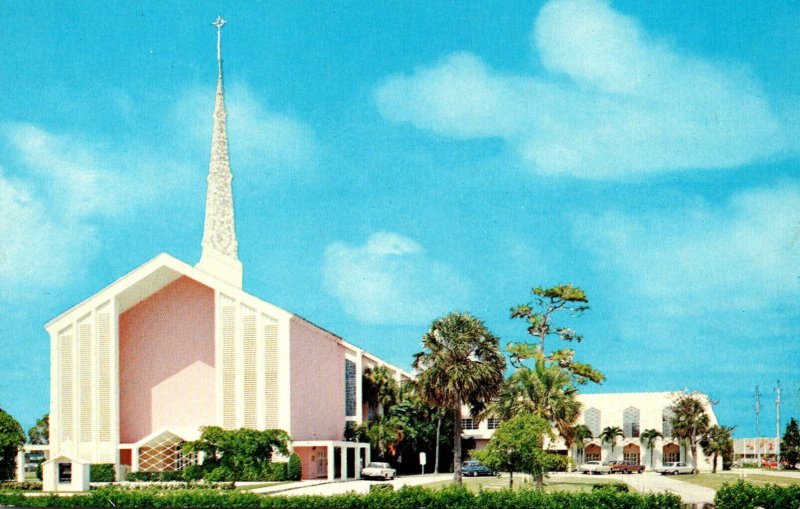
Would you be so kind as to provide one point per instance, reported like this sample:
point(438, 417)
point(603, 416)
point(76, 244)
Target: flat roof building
point(633, 413)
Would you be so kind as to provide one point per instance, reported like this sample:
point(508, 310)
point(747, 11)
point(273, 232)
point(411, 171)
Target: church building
point(139, 367)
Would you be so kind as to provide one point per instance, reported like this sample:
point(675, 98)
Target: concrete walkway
point(324, 487)
point(650, 482)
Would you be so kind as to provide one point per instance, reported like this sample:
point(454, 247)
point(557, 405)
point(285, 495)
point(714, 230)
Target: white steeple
point(219, 257)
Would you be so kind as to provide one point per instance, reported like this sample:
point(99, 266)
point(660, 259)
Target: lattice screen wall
point(164, 452)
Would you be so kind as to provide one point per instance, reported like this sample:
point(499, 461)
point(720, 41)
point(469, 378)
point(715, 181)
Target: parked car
point(595, 467)
point(376, 470)
point(675, 468)
point(626, 467)
point(474, 468)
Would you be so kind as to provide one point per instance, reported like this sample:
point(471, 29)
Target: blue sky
point(396, 160)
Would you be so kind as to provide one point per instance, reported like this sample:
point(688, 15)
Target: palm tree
point(610, 434)
point(582, 432)
point(690, 421)
point(648, 438)
point(545, 391)
point(380, 389)
point(384, 434)
point(716, 441)
point(461, 364)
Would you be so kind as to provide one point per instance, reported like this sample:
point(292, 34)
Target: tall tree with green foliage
point(610, 434)
point(546, 391)
point(648, 438)
point(539, 316)
point(238, 455)
point(12, 437)
point(715, 442)
point(39, 434)
point(385, 434)
point(517, 447)
point(461, 364)
point(690, 421)
point(582, 433)
point(379, 389)
point(790, 448)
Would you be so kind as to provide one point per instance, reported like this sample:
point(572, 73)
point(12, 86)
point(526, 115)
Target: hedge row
point(406, 498)
point(744, 495)
point(21, 485)
point(275, 471)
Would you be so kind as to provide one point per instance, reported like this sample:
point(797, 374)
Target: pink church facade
point(146, 362)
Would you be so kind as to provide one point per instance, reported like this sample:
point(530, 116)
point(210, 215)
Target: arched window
point(630, 422)
point(592, 420)
point(666, 421)
point(592, 452)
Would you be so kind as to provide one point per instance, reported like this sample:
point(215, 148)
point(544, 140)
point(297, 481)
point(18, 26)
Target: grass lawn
point(715, 481)
point(260, 485)
point(552, 484)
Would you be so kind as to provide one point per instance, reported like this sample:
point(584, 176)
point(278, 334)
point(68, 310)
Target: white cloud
point(741, 256)
point(391, 280)
point(82, 178)
point(38, 247)
point(613, 103)
point(265, 143)
point(61, 188)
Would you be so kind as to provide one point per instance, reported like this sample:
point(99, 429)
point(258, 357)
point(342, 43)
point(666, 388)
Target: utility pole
point(778, 424)
point(758, 426)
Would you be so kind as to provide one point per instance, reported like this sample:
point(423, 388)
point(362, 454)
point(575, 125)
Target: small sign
point(423, 459)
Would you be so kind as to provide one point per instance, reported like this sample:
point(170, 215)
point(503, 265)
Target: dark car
point(474, 469)
point(626, 467)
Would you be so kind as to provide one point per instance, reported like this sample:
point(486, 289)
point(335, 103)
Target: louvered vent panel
point(66, 406)
point(271, 375)
point(104, 376)
point(229, 367)
point(85, 368)
point(249, 366)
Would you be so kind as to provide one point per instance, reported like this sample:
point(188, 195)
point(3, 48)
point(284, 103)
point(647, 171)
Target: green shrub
point(381, 487)
point(620, 487)
point(101, 472)
point(294, 470)
point(277, 471)
point(21, 485)
point(743, 495)
point(454, 497)
point(193, 473)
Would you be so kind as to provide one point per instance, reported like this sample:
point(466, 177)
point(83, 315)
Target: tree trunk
point(436, 460)
point(510, 479)
point(457, 443)
point(714, 468)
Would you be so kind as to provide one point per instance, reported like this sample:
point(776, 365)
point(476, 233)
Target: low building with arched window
point(633, 413)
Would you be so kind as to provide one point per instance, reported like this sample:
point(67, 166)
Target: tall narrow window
point(630, 422)
point(592, 420)
point(666, 421)
point(349, 388)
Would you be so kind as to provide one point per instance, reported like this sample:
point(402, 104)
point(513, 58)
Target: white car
point(595, 467)
point(377, 470)
point(675, 468)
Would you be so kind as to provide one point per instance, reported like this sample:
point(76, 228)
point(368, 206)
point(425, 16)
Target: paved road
point(744, 472)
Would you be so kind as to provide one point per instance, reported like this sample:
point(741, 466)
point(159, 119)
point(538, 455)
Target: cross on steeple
point(219, 23)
